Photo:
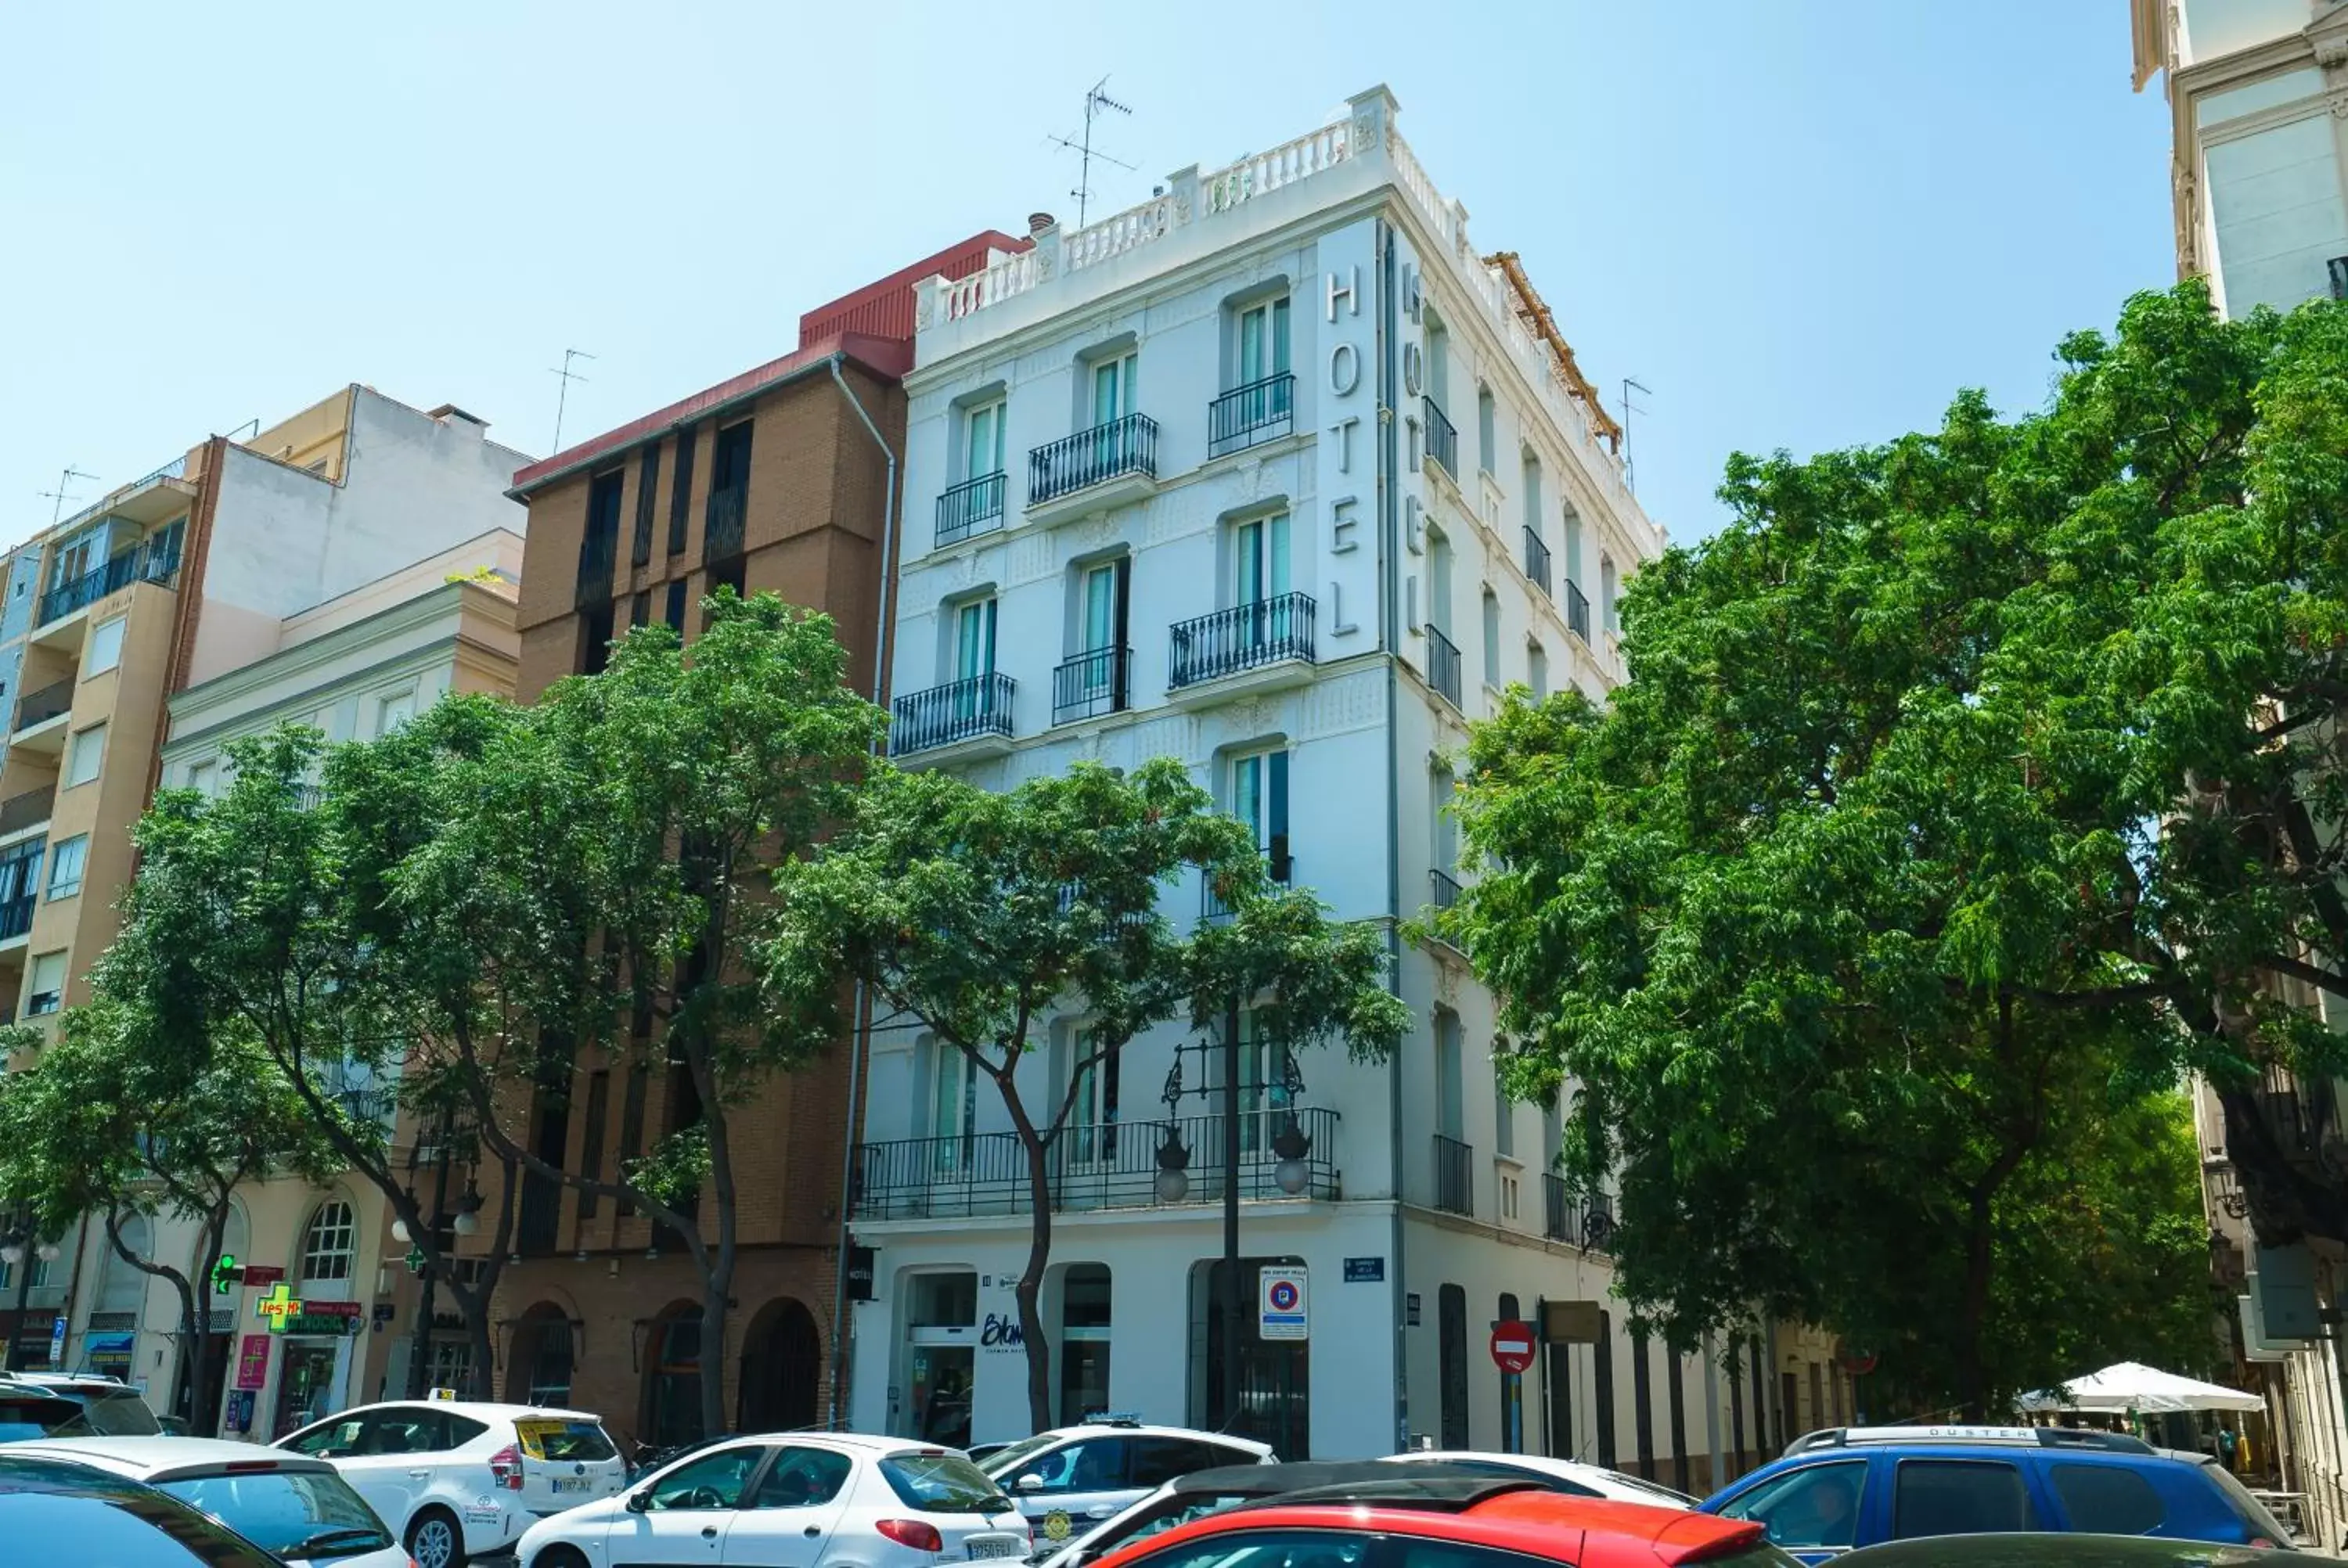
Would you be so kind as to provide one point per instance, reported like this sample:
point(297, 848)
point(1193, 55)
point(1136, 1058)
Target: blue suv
point(1852, 1487)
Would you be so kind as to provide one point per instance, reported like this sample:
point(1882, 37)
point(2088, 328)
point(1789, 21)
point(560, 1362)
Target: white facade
point(1258, 575)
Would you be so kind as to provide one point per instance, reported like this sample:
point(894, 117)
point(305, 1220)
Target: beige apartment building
point(236, 554)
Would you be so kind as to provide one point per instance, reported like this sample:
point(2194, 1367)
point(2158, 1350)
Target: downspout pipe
point(1389, 476)
point(860, 1041)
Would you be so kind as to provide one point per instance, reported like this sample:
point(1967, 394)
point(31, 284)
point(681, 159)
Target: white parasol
point(2132, 1386)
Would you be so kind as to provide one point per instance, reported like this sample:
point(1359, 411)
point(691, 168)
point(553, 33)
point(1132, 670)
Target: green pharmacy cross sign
point(278, 1308)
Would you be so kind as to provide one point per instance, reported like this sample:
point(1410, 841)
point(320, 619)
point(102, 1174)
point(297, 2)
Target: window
point(1265, 1071)
point(591, 1146)
point(1504, 1110)
point(1573, 546)
point(204, 776)
point(1084, 1307)
point(328, 1244)
point(599, 542)
point(330, 1440)
point(2107, 1499)
point(594, 643)
point(640, 608)
point(1488, 440)
point(1260, 559)
point(84, 753)
point(802, 1477)
point(1817, 1505)
point(47, 984)
point(1451, 1325)
point(674, 612)
point(1491, 638)
point(104, 650)
point(1537, 669)
point(1533, 482)
point(1091, 1132)
point(123, 1286)
point(1263, 341)
point(712, 1482)
point(1096, 1464)
point(1438, 583)
point(1958, 1497)
point(66, 858)
point(981, 445)
point(952, 1104)
point(1607, 618)
point(729, 469)
point(973, 650)
point(1507, 1184)
point(1157, 1461)
point(1259, 797)
point(680, 494)
point(640, 550)
point(1443, 827)
point(392, 712)
point(1112, 388)
point(1450, 1118)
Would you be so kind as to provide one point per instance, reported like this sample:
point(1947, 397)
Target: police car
point(1071, 1478)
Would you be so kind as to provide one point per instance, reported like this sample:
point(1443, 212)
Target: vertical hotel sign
point(1347, 477)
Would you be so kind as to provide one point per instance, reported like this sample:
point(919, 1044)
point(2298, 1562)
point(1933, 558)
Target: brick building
point(778, 480)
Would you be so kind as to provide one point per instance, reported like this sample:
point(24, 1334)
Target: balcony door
point(1263, 342)
point(1264, 1101)
point(952, 1109)
point(1101, 630)
point(974, 657)
point(1090, 1139)
point(982, 442)
point(1259, 799)
point(1112, 389)
point(1260, 579)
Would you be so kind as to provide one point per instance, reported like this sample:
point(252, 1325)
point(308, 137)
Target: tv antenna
point(1630, 384)
point(58, 497)
point(564, 396)
point(1096, 102)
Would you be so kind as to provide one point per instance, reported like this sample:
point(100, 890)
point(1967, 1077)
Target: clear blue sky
point(1804, 223)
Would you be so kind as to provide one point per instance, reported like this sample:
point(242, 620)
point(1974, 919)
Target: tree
point(587, 874)
point(114, 1121)
point(1958, 798)
point(985, 915)
point(244, 931)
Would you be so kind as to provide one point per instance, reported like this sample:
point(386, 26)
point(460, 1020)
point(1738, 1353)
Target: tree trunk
point(1973, 1392)
point(483, 1375)
point(196, 1305)
point(1031, 1278)
point(713, 1352)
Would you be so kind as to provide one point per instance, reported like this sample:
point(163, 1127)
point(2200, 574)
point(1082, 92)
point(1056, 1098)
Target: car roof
point(1138, 1429)
point(477, 1409)
point(143, 1459)
point(1514, 1516)
point(1967, 1436)
point(23, 1472)
point(2054, 1551)
point(1542, 1464)
point(1272, 1479)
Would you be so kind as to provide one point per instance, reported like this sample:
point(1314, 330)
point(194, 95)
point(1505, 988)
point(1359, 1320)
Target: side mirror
point(1030, 1481)
point(641, 1499)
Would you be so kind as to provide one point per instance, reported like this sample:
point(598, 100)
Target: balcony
point(975, 714)
point(972, 507)
point(1557, 1209)
point(1598, 1223)
point(1096, 1166)
point(40, 717)
point(30, 809)
point(1537, 561)
point(1093, 470)
point(1259, 411)
point(721, 531)
point(1455, 1181)
point(1577, 612)
point(1442, 440)
point(1092, 684)
point(1442, 665)
point(156, 561)
point(1273, 635)
point(16, 919)
point(1446, 888)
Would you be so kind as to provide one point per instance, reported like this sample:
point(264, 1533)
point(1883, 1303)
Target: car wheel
point(560, 1556)
point(435, 1540)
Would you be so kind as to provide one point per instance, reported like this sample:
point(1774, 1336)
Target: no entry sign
point(1512, 1345)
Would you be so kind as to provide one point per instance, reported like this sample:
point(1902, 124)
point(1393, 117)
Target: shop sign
point(328, 1318)
point(1001, 1332)
point(252, 1361)
point(1365, 1271)
point(263, 1274)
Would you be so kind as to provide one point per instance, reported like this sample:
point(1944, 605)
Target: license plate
point(996, 1546)
point(573, 1483)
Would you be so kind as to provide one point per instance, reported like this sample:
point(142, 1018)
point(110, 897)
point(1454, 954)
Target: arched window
point(125, 1287)
point(330, 1243)
point(1608, 618)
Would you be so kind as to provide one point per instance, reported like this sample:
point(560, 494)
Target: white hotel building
point(1277, 475)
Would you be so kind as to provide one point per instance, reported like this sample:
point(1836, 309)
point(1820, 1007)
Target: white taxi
point(793, 1500)
point(458, 1479)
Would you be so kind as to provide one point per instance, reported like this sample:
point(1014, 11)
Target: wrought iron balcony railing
point(1095, 456)
point(1442, 665)
point(957, 711)
point(1455, 1178)
point(1091, 684)
point(1446, 888)
point(1244, 637)
point(1100, 1166)
point(1537, 560)
point(1576, 609)
point(1556, 1211)
point(1259, 411)
point(1442, 440)
point(974, 507)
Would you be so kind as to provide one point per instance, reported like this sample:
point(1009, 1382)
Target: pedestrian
point(2229, 1446)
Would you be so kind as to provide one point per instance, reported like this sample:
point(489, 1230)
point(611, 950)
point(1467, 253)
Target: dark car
point(52, 1511)
point(1842, 1489)
point(2054, 1552)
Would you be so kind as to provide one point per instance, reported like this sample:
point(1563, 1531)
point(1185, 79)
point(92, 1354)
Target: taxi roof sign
point(448, 1396)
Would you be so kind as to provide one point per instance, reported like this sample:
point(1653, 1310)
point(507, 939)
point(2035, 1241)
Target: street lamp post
point(1292, 1173)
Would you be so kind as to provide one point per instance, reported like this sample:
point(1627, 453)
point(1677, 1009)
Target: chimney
point(1039, 223)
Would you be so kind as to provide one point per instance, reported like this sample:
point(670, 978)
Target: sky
point(1802, 225)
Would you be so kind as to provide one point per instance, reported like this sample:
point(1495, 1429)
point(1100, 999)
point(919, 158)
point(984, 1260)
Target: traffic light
point(227, 1274)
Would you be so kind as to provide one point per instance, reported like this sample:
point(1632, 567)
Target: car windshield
point(309, 1514)
point(1156, 1516)
point(564, 1442)
point(1007, 1460)
point(942, 1483)
point(122, 1529)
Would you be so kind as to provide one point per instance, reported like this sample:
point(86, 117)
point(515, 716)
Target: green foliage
point(1960, 796)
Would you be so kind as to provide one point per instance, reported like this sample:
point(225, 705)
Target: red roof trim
point(889, 357)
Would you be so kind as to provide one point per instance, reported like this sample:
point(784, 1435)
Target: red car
point(1451, 1523)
